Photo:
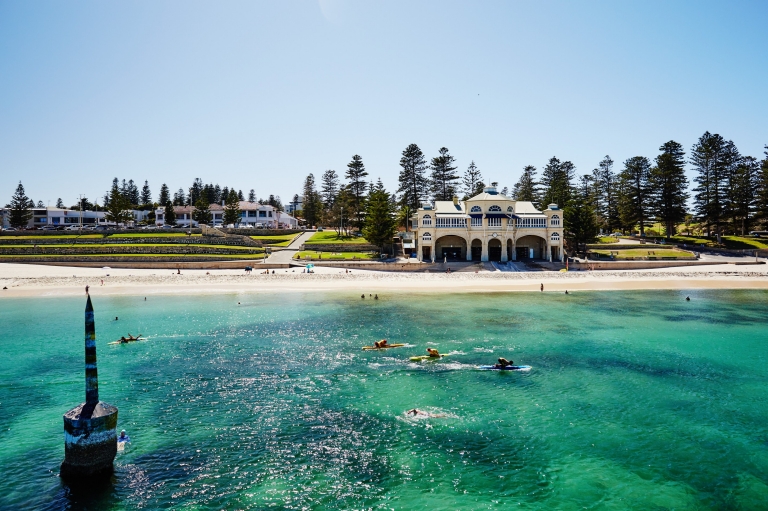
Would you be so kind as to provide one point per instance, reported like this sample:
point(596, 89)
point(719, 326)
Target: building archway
point(451, 248)
point(494, 250)
point(477, 250)
point(530, 247)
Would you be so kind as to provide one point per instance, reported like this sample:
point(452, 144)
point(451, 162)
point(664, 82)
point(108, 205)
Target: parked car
point(166, 226)
point(73, 228)
point(48, 228)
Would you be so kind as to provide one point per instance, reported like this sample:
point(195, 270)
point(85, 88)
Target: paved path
point(286, 255)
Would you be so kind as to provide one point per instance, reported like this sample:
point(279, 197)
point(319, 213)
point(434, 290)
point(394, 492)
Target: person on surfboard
point(503, 362)
point(433, 353)
point(380, 344)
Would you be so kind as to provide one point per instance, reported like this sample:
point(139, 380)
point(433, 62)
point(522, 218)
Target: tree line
point(730, 190)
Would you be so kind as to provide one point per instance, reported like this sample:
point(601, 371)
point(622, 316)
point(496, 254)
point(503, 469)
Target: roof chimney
point(455, 200)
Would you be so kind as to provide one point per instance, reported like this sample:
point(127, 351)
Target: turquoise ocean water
point(636, 400)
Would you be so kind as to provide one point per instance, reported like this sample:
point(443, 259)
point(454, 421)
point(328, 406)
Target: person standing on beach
point(542, 288)
point(86, 288)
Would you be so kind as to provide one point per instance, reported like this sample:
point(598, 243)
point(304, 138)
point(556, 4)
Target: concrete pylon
point(90, 429)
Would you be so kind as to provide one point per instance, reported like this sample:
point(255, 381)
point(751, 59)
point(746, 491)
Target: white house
point(488, 227)
point(252, 214)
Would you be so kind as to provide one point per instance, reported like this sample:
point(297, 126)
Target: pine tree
point(505, 191)
point(165, 195)
point(557, 180)
point(60, 203)
point(413, 186)
point(634, 192)
point(379, 227)
point(669, 186)
point(194, 191)
point(356, 174)
point(761, 206)
point(580, 221)
point(20, 208)
point(444, 178)
point(472, 181)
point(146, 194)
point(118, 210)
point(329, 187)
point(240, 195)
point(232, 209)
point(606, 199)
point(742, 192)
point(527, 188)
point(707, 158)
point(40, 204)
point(133, 193)
point(275, 202)
point(252, 195)
point(179, 198)
point(312, 205)
point(202, 213)
point(218, 195)
point(170, 214)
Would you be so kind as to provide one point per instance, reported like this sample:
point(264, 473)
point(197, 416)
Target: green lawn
point(331, 256)
point(642, 252)
point(212, 256)
point(607, 239)
point(253, 250)
point(280, 240)
point(52, 237)
point(331, 238)
point(181, 232)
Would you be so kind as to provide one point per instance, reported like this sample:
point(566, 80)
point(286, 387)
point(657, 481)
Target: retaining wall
point(350, 247)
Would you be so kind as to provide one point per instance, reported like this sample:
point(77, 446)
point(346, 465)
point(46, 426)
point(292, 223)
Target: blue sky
point(259, 94)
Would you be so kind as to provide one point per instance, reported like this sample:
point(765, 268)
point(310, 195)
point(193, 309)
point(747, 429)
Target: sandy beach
point(26, 280)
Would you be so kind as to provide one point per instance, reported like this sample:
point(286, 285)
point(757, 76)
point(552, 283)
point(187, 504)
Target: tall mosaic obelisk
point(90, 429)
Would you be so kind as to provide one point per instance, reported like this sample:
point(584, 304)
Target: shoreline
point(45, 281)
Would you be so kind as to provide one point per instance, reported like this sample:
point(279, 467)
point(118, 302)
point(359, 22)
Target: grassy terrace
point(108, 245)
point(642, 252)
point(146, 256)
point(280, 240)
point(730, 242)
point(335, 256)
point(331, 238)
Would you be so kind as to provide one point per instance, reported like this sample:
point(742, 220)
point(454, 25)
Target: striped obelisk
point(90, 429)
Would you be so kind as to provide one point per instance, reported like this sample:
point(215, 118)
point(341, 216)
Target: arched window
point(510, 209)
point(476, 209)
point(554, 237)
point(426, 237)
point(554, 221)
point(494, 208)
point(426, 220)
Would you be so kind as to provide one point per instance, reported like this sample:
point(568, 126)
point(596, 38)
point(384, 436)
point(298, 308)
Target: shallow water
point(636, 400)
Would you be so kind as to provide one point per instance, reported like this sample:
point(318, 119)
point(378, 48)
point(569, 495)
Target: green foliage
point(443, 179)
point(312, 206)
point(232, 208)
point(118, 209)
point(379, 225)
point(170, 214)
point(527, 188)
point(714, 159)
point(472, 181)
point(557, 181)
point(633, 192)
point(165, 195)
point(580, 222)
point(202, 212)
point(357, 187)
point(413, 180)
point(668, 186)
point(20, 208)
